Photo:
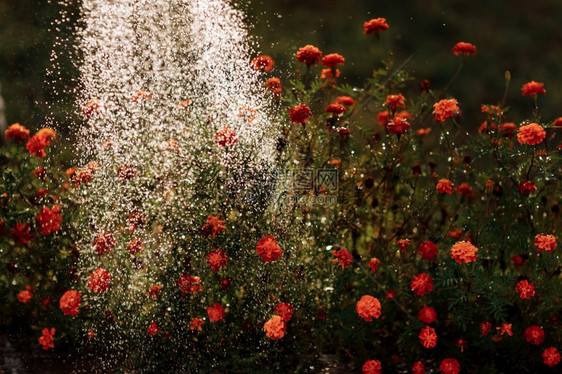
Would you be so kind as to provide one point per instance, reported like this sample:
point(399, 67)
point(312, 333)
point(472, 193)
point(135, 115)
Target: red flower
point(21, 233)
point(189, 283)
point(343, 258)
point(196, 324)
point(141, 95)
point(263, 62)
point(374, 264)
point(93, 107)
point(135, 246)
point(427, 315)
point(418, 368)
point(551, 356)
point(533, 88)
point(275, 328)
point(348, 101)
point(17, 132)
point(309, 54)
point(49, 220)
point(382, 118)
point(328, 74)
point(375, 25)
point(154, 292)
point(216, 312)
point(450, 366)
point(428, 250)
point(225, 283)
point(152, 329)
point(445, 186)
point(525, 289)
point(390, 294)
point(372, 367)
point(274, 84)
point(527, 187)
point(268, 249)
point(444, 109)
point(534, 334)
point(465, 190)
point(422, 284)
point(403, 243)
point(505, 328)
point(37, 144)
point(284, 310)
point(428, 337)
point(398, 125)
point(332, 60)
point(531, 134)
point(545, 242)
point(299, 114)
point(226, 137)
point(46, 340)
point(464, 252)
point(70, 302)
point(343, 132)
point(104, 243)
point(395, 101)
point(368, 307)
point(517, 260)
point(485, 328)
point(217, 259)
point(212, 227)
point(25, 295)
point(335, 109)
point(557, 122)
point(99, 281)
point(465, 49)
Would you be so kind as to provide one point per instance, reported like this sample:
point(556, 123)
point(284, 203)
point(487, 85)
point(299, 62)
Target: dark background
point(524, 37)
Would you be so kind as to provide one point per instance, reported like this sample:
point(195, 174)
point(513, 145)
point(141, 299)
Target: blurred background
point(524, 37)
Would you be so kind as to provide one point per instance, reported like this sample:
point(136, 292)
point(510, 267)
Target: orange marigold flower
point(382, 118)
point(557, 122)
point(263, 62)
point(422, 284)
point(217, 259)
point(93, 107)
point(25, 295)
point(457, 233)
point(427, 315)
point(99, 280)
point(395, 101)
point(534, 334)
point(374, 264)
point(525, 289)
point(465, 190)
point(533, 88)
point(212, 227)
point(531, 134)
point(226, 137)
point(492, 110)
point(196, 324)
point(49, 220)
point(428, 250)
point(398, 125)
point(450, 366)
point(274, 84)
point(104, 243)
point(505, 328)
point(332, 60)
point(216, 312)
point(309, 54)
point(348, 101)
point(375, 25)
point(551, 356)
point(299, 114)
point(464, 252)
point(21, 233)
point(403, 243)
point(508, 129)
point(135, 246)
point(275, 328)
point(335, 109)
point(284, 310)
point(418, 368)
point(46, 340)
point(423, 132)
point(444, 186)
point(444, 109)
point(189, 283)
point(428, 337)
point(343, 258)
point(154, 291)
point(485, 328)
point(152, 329)
point(372, 367)
point(141, 95)
point(527, 187)
point(545, 242)
point(17, 132)
point(465, 49)
point(368, 307)
point(38, 142)
point(70, 302)
point(268, 249)
point(328, 74)
point(343, 132)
